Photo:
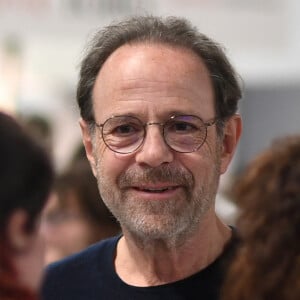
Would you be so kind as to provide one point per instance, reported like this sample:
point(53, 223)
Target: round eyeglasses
point(182, 133)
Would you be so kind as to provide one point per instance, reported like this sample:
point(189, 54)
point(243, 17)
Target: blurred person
point(79, 154)
point(267, 265)
point(158, 104)
point(75, 216)
point(39, 127)
point(225, 207)
point(25, 181)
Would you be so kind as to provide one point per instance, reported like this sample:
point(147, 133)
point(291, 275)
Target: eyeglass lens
point(125, 134)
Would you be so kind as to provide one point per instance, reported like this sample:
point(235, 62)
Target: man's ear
point(232, 134)
point(88, 144)
point(19, 238)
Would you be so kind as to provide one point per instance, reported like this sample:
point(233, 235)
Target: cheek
point(111, 165)
point(97, 151)
point(201, 163)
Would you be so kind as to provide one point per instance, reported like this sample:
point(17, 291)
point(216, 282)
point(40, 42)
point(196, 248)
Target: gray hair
point(174, 31)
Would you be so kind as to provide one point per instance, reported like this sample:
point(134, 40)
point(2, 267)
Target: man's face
point(155, 192)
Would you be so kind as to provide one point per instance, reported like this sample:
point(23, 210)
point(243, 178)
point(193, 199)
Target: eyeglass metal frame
point(162, 124)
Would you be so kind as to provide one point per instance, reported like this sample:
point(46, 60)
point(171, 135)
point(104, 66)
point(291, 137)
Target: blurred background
point(41, 44)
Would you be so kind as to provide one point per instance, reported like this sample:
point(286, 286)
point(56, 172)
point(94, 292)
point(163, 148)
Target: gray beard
point(173, 220)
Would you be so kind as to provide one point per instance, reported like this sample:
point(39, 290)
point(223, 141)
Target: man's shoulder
point(95, 252)
point(79, 271)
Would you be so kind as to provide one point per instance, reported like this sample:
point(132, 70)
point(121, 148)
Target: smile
point(156, 190)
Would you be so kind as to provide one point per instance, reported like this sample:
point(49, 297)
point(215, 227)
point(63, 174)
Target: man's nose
point(154, 150)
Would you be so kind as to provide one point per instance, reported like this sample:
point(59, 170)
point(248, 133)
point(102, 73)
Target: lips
point(156, 190)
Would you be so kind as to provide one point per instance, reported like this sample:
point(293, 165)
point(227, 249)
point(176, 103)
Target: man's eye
point(182, 127)
point(126, 129)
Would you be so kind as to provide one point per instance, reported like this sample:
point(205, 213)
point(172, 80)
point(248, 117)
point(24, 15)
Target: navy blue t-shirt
point(90, 275)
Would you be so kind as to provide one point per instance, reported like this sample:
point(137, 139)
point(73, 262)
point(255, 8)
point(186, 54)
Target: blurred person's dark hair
point(26, 176)
point(268, 195)
point(40, 129)
point(78, 154)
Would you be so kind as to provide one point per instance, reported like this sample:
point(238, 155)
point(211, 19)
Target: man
point(158, 104)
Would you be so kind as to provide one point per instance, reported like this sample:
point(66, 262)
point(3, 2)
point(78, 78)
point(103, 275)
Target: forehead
point(147, 75)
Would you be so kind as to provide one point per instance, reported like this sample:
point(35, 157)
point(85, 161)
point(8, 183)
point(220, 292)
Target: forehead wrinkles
point(144, 87)
point(140, 87)
point(144, 72)
point(135, 93)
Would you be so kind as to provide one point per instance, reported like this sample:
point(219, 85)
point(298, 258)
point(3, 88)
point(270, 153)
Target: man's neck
point(155, 262)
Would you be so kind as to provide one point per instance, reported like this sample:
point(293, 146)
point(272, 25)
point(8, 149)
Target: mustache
point(164, 173)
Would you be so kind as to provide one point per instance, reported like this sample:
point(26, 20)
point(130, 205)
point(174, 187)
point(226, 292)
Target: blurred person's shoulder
point(73, 276)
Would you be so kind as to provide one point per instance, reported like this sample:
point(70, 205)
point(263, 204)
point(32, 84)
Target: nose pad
point(154, 150)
